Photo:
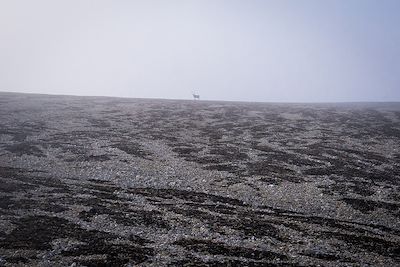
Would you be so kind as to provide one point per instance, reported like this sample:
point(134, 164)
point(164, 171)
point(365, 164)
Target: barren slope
point(111, 182)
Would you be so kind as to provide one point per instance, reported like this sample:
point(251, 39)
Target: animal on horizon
point(196, 96)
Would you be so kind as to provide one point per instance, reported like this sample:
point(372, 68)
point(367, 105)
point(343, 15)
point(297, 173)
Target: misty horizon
point(190, 98)
point(258, 51)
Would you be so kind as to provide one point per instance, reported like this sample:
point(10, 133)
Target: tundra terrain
point(97, 181)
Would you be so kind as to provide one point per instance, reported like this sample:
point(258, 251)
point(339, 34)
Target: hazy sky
point(299, 50)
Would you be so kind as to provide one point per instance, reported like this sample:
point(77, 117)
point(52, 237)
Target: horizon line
point(209, 100)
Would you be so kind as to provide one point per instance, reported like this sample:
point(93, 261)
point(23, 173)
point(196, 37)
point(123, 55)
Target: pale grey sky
point(253, 50)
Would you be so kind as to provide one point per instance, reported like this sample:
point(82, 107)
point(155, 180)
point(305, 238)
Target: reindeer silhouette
point(196, 96)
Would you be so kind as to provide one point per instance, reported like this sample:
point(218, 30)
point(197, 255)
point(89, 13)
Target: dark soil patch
point(215, 248)
point(132, 149)
point(25, 149)
point(37, 232)
point(365, 205)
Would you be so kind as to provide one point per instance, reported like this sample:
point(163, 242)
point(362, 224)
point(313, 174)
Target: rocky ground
point(92, 181)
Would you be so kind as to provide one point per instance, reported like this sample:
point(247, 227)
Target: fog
point(287, 51)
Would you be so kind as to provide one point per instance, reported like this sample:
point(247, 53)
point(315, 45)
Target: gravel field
point(97, 181)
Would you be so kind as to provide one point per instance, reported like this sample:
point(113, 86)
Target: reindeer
point(196, 96)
